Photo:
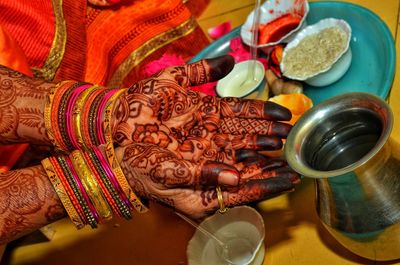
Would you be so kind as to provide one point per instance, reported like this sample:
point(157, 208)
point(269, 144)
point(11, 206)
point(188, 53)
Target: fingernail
point(244, 154)
point(228, 177)
point(220, 66)
point(276, 185)
point(275, 111)
point(268, 142)
point(281, 129)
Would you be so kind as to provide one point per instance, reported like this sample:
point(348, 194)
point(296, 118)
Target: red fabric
point(186, 48)
point(197, 7)
point(32, 26)
point(100, 39)
point(114, 34)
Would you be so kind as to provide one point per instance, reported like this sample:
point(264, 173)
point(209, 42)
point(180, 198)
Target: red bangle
point(68, 189)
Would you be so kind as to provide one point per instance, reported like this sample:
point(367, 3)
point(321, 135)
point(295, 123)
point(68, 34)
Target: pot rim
point(304, 126)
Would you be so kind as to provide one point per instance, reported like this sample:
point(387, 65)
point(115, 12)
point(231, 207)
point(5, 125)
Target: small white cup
point(242, 231)
point(234, 84)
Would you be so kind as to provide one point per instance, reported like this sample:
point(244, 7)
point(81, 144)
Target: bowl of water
point(238, 83)
point(238, 238)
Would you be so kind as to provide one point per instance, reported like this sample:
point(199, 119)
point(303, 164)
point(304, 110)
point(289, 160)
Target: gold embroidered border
point(149, 47)
point(57, 50)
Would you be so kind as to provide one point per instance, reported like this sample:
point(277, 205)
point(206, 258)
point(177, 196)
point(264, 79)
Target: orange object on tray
point(13, 57)
point(298, 104)
point(278, 28)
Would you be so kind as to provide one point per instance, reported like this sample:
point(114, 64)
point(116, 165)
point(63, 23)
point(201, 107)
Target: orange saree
point(71, 39)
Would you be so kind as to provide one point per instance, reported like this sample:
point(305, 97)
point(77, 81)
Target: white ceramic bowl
point(339, 65)
point(241, 224)
point(271, 10)
point(332, 75)
point(233, 85)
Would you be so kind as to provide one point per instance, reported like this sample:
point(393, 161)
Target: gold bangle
point(62, 194)
point(77, 114)
point(222, 209)
point(47, 114)
point(119, 174)
point(90, 185)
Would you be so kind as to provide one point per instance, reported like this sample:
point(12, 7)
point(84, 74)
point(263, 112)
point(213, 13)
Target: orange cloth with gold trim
point(106, 45)
point(72, 39)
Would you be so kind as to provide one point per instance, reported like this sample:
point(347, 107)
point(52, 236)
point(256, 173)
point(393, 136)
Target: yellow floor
point(293, 232)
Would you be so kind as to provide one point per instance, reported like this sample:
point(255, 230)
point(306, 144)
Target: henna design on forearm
point(22, 101)
point(27, 202)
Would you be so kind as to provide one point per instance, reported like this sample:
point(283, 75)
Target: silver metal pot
point(344, 144)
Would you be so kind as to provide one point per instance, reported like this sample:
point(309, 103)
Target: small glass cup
point(238, 239)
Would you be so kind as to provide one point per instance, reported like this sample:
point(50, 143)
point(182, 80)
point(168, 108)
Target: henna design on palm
point(162, 111)
point(178, 144)
point(160, 175)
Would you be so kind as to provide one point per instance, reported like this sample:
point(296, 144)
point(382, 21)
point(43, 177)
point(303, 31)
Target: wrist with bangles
point(89, 182)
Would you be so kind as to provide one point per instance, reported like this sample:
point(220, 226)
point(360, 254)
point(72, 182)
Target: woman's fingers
point(199, 203)
point(253, 141)
point(205, 202)
point(257, 109)
point(255, 190)
point(201, 72)
point(235, 125)
point(261, 162)
point(256, 172)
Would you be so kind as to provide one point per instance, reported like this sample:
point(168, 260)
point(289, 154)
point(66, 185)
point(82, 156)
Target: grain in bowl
point(315, 49)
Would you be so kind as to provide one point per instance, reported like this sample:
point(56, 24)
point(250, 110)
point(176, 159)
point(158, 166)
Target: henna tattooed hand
point(161, 110)
point(160, 175)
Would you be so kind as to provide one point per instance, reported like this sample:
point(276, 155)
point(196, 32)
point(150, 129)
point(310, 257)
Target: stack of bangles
point(88, 181)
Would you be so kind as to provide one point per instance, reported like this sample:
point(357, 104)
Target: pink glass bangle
point(107, 169)
point(100, 115)
point(69, 113)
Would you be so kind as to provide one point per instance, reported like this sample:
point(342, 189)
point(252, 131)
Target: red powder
point(278, 28)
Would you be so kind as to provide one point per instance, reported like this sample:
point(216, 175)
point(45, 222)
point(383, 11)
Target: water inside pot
point(342, 139)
